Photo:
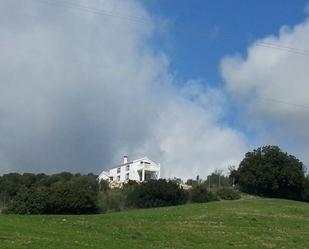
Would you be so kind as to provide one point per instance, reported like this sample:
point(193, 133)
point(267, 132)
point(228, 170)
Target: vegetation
point(156, 193)
point(159, 193)
point(305, 196)
point(252, 223)
point(216, 180)
point(67, 193)
point(113, 200)
point(268, 171)
point(227, 194)
point(11, 184)
point(63, 193)
point(200, 194)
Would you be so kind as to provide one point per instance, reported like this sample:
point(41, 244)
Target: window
point(118, 170)
point(127, 176)
point(118, 178)
point(128, 167)
point(111, 178)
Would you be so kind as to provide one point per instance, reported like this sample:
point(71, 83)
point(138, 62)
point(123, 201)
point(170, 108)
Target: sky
point(193, 85)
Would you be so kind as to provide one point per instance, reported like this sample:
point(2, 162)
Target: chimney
point(125, 159)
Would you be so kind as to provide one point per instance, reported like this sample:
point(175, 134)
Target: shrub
point(201, 194)
point(30, 201)
point(11, 184)
point(156, 193)
point(61, 198)
point(72, 198)
point(227, 194)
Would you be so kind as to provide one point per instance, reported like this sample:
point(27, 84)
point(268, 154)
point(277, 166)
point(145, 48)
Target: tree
point(268, 171)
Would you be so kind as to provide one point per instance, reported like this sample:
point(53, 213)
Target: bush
point(156, 193)
point(61, 198)
point(11, 184)
point(72, 198)
point(30, 201)
point(201, 194)
point(227, 194)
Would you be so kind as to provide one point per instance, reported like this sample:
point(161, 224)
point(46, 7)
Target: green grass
point(255, 223)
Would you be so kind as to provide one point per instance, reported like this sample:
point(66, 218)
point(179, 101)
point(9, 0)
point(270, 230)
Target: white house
point(139, 170)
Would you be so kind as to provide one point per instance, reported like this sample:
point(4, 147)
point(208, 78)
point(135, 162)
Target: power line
point(278, 101)
point(137, 19)
point(283, 48)
point(70, 5)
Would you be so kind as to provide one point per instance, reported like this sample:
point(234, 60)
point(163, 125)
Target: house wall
point(135, 166)
point(133, 172)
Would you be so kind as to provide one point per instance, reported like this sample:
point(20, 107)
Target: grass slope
point(256, 223)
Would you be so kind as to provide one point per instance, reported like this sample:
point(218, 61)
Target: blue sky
point(201, 32)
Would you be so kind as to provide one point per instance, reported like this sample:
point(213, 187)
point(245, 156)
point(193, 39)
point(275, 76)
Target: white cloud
point(189, 136)
point(79, 89)
point(271, 83)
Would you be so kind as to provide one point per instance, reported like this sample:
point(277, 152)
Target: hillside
point(255, 223)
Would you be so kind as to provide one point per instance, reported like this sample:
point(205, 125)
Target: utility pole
point(198, 179)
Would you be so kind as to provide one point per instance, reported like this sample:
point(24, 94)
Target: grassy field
point(255, 223)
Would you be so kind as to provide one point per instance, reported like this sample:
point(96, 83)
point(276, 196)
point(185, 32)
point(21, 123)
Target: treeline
point(63, 193)
point(67, 193)
point(266, 171)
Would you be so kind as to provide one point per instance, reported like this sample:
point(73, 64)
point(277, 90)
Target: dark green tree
point(267, 171)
